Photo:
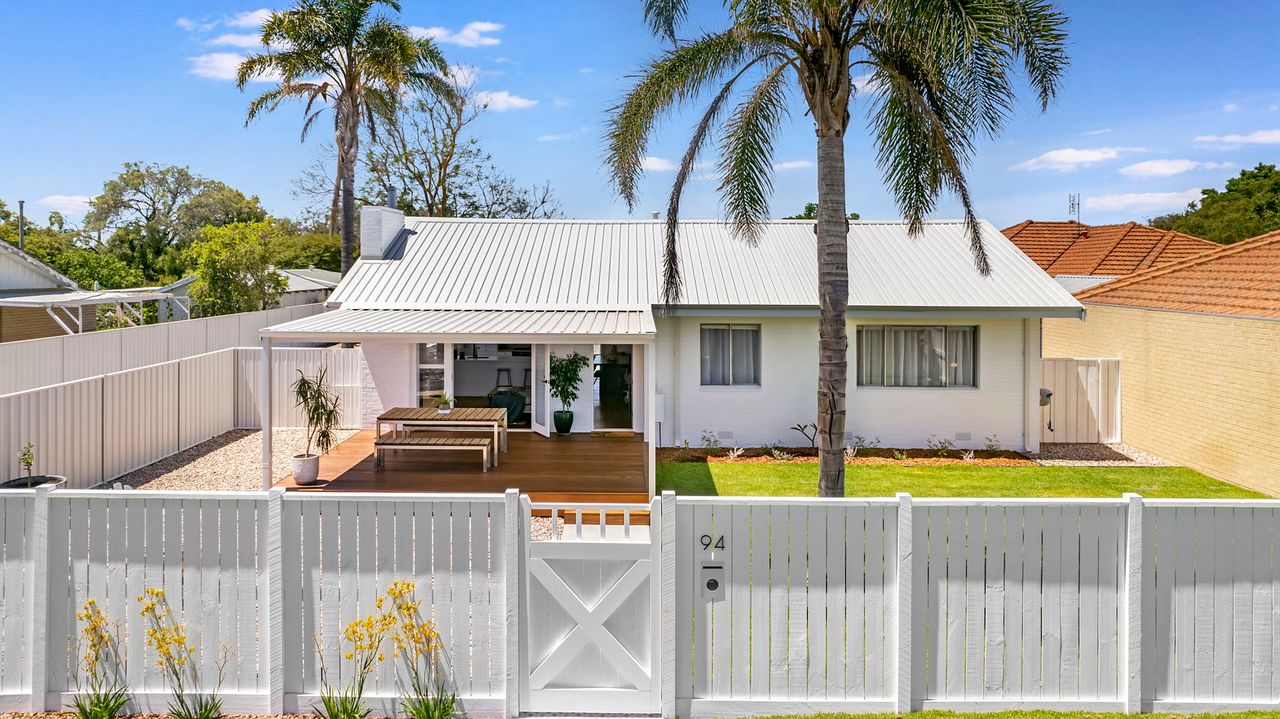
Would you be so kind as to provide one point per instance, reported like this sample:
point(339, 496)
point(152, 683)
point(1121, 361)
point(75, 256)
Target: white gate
point(589, 597)
point(1086, 400)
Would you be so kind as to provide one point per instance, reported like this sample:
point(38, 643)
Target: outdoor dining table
point(456, 418)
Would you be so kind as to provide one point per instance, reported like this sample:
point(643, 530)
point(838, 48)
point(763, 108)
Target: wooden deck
point(576, 468)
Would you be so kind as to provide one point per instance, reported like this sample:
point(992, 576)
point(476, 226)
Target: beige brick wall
point(1199, 390)
point(28, 323)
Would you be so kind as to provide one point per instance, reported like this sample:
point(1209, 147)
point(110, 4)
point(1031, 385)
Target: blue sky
point(1162, 98)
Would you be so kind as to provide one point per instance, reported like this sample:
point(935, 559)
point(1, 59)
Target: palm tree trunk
point(833, 302)
point(349, 202)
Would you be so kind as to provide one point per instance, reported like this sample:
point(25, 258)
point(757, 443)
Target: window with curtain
point(917, 356)
point(730, 354)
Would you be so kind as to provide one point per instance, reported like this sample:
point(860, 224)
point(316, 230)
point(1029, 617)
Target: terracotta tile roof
point(1241, 279)
point(1070, 248)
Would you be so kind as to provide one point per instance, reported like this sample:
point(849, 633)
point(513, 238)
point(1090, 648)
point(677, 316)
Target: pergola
point(71, 303)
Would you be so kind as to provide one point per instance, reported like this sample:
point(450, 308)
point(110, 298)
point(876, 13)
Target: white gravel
point(1095, 455)
point(229, 462)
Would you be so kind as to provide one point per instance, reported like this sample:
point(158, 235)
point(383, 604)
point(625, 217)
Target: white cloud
point(235, 39)
point(1099, 131)
point(563, 136)
point(473, 34)
point(249, 18)
point(792, 165)
point(560, 101)
point(1231, 107)
point(1142, 201)
point(1167, 168)
point(66, 204)
point(586, 70)
point(1069, 159)
point(1260, 137)
point(657, 164)
point(502, 100)
point(222, 66)
point(866, 83)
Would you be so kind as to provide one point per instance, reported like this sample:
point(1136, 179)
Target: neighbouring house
point(1079, 256)
point(466, 306)
point(304, 287)
point(1200, 344)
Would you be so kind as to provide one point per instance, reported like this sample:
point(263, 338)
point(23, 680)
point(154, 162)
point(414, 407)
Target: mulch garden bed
point(866, 455)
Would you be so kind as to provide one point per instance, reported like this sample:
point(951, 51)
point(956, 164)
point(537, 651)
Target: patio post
point(265, 399)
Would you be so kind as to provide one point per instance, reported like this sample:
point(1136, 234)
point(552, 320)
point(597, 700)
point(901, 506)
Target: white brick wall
point(387, 378)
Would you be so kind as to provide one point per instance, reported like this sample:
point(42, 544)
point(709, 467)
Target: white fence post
point(1133, 607)
point(904, 607)
point(667, 604)
point(514, 537)
point(38, 616)
point(272, 594)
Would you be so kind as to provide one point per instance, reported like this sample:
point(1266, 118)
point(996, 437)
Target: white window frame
point(446, 364)
point(884, 359)
point(731, 326)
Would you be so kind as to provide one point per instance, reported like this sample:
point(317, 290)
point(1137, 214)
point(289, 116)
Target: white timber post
point(667, 606)
point(1032, 381)
point(38, 616)
point(272, 593)
point(1133, 606)
point(266, 413)
point(514, 537)
point(904, 607)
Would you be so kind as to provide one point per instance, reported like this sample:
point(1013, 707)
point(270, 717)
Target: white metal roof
point(623, 326)
point(603, 264)
point(78, 298)
point(29, 267)
point(1079, 283)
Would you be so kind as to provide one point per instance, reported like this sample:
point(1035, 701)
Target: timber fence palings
point(830, 605)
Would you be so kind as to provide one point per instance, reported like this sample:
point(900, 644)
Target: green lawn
point(867, 480)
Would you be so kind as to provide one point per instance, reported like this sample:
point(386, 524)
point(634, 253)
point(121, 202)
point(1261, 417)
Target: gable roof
point(1072, 248)
point(31, 269)
point(1241, 279)
point(603, 264)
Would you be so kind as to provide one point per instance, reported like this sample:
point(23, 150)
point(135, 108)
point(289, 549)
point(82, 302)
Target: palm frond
point(746, 155)
point(664, 16)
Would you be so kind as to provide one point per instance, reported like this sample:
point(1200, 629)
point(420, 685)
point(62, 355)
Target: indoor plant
point(444, 403)
point(565, 378)
point(322, 409)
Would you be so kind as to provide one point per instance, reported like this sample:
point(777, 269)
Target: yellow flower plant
point(421, 652)
point(363, 641)
point(176, 657)
point(102, 692)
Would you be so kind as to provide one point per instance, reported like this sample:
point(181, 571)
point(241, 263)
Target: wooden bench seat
point(406, 440)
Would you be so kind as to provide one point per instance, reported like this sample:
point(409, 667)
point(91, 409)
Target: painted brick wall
point(1198, 390)
point(900, 417)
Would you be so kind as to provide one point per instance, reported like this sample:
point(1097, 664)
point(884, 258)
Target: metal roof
point(608, 264)
point(1079, 283)
point(623, 326)
point(32, 264)
point(78, 298)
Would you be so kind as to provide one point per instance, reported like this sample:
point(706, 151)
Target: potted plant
point(27, 460)
point(444, 403)
point(565, 378)
point(322, 409)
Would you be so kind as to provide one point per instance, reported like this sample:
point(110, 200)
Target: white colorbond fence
point(1086, 400)
point(830, 605)
point(96, 429)
point(30, 364)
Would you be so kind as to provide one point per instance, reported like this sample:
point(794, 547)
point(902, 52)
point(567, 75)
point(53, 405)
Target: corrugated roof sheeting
point(636, 321)
point(459, 263)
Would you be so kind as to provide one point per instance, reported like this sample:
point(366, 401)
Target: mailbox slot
point(711, 579)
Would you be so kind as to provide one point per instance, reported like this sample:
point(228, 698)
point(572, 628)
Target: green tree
point(339, 55)
point(90, 268)
point(233, 273)
point(1248, 206)
point(317, 250)
point(810, 212)
point(153, 212)
point(938, 76)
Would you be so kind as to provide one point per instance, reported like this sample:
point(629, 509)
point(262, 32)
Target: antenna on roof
point(22, 226)
point(1073, 206)
point(655, 215)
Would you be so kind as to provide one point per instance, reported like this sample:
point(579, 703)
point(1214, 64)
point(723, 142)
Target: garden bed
point(865, 455)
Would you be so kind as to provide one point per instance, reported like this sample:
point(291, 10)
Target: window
point(731, 354)
point(917, 356)
point(430, 373)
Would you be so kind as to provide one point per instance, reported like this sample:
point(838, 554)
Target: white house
point(466, 306)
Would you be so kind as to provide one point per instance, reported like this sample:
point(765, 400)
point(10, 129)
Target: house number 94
point(709, 542)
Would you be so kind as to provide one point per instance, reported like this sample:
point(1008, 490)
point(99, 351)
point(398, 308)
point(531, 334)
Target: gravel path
point(1095, 455)
point(229, 462)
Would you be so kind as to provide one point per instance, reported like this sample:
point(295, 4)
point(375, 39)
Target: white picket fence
point(96, 429)
point(31, 364)
point(830, 605)
point(1086, 400)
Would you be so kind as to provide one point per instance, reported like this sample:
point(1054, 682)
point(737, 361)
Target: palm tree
point(934, 75)
point(338, 55)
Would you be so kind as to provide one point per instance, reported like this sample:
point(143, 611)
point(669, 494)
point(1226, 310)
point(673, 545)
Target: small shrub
point(780, 455)
point(365, 638)
point(27, 458)
point(178, 661)
point(967, 455)
point(710, 440)
point(102, 693)
point(860, 442)
point(851, 452)
point(417, 643)
point(736, 453)
point(993, 443)
point(899, 455)
point(810, 432)
point(940, 446)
